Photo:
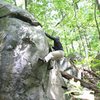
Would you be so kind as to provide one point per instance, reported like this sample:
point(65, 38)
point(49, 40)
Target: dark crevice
point(64, 87)
point(21, 17)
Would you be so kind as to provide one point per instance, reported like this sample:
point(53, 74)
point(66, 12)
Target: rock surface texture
point(22, 75)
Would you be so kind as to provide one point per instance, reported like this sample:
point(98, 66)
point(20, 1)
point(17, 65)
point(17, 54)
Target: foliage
point(10, 1)
point(98, 84)
point(95, 64)
point(74, 87)
point(78, 91)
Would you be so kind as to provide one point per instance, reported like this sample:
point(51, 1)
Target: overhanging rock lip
point(15, 12)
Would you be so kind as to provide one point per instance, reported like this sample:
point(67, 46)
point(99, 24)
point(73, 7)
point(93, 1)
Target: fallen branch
point(83, 83)
point(91, 80)
point(92, 73)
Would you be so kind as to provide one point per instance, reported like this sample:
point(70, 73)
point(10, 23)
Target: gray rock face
point(22, 43)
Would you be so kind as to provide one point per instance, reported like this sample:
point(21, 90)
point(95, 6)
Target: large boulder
point(22, 75)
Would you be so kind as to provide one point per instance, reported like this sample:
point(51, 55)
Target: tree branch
point(63, 16)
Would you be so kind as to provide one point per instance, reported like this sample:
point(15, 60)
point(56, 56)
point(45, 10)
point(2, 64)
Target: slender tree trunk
point(98, 4)
point(72, 46)
point(15, 2)
point(81, 38)
point(97, 25)
point(26, 3)
point(80, 48)
point(67, 50)
point(78, 27)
